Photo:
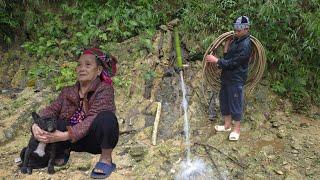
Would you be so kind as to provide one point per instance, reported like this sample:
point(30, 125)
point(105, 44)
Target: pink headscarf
point(108, 64)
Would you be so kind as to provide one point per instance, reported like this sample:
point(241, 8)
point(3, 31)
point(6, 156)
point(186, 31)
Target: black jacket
point(234, 64)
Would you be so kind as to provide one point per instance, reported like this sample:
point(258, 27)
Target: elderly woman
point(85, 113)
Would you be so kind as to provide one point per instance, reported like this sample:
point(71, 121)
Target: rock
point(278, 172)
point(121, 121)
point(275, 124)
point(172, 171)
point(296, 146)
point(304, 125)
point(8, 133)
point(267, 115)
point(295, 151)
point(282, 132)
point(137, 152)
point(267, 149)
point(5, 91)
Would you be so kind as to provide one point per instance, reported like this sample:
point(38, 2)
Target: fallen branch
point(212, 161)
point(156, 124)
point(230, 158)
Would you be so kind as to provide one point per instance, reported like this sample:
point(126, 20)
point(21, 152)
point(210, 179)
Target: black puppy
point(38, 154)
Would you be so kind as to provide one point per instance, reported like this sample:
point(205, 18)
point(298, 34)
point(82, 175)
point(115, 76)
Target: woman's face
point(87, 69)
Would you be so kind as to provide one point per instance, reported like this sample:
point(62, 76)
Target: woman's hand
point(46, 137)
point(57, 136)
point(39, 134)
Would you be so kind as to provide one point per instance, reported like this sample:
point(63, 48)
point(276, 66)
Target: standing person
point(85, 114)
point(234, 65)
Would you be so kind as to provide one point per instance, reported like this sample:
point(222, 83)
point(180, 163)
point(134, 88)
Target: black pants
point(231, 101)
point(103, 134)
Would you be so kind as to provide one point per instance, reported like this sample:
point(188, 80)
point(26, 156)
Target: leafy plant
point(150, 74)
point(289, 30)
point(120, 81)
point(66, 75)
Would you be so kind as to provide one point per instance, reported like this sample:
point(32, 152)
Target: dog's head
point(47, 124)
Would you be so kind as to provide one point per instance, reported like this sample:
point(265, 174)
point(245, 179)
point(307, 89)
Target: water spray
point(189, 169)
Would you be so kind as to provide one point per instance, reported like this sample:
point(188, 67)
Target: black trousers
point(103, 134)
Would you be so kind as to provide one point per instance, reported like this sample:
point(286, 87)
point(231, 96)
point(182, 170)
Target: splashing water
point(190, 169)
point(186, 121)
point(195, 170)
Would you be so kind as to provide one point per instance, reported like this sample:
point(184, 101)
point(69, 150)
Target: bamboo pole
point(156, 124)
point(177, 47)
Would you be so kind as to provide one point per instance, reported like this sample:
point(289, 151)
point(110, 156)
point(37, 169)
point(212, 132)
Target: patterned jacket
point(100, 97)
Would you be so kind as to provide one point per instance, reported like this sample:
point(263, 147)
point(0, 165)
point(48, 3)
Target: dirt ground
point(275, 142)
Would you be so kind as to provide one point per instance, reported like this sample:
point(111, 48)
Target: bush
point(289, 30)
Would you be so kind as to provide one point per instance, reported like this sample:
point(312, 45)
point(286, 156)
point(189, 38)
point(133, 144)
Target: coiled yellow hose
point(257, 63)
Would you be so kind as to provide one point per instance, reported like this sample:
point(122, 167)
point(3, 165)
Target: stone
point(295, 151)
point(296, 146)
point(8, 133)
point(267, 149)
point(278, 172)
point(3, 91)
point(137, 152)
point(275, 124)
point(304, 125)
point(282, 132)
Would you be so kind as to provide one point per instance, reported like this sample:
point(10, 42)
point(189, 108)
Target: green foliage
point(66, 76)
point(63, 75)
point(10, 19)
point(40, 71)
point(150, 74)
point(289, 30)
point(121, 81)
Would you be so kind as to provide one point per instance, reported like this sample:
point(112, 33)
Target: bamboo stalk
point(177, 47)
point(156, 124)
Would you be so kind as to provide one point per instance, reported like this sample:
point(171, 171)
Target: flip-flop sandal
point(106, 170)
point(234, 136)
point(221, 128)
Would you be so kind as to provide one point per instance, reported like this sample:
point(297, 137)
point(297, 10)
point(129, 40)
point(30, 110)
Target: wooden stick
point(213, 163)
point(156, 124)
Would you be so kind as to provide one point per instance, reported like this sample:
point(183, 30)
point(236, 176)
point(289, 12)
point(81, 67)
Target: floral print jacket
point(100, 97)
